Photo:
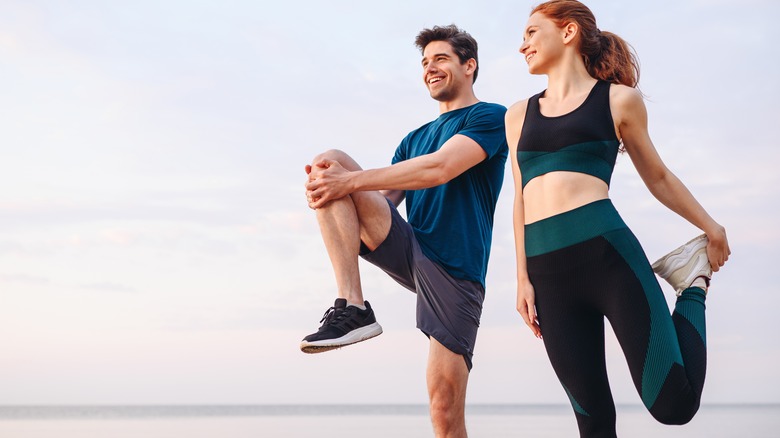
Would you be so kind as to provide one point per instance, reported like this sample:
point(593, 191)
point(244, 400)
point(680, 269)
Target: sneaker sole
point(701, 263)
point(358, 335)
point(690, 258)
point(677, 258)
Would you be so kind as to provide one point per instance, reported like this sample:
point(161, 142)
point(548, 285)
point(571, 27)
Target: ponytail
point(614, 61)
point(607, 56)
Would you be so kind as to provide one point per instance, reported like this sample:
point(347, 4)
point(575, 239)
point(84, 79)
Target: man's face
point(443, 73)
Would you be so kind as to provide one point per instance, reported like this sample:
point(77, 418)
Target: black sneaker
point(342, 325)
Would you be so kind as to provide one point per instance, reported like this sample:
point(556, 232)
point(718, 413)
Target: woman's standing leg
point(573, 333)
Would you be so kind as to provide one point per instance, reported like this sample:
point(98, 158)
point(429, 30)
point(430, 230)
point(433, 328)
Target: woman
point(577, 262)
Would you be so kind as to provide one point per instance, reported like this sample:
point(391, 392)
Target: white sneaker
point(686, 263)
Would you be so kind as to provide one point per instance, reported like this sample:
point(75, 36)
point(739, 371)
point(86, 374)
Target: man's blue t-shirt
point(453, 222)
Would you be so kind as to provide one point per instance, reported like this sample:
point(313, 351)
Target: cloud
point(108, 287)
point(24, 279)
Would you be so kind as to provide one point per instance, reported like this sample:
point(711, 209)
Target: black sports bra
point(581, 141)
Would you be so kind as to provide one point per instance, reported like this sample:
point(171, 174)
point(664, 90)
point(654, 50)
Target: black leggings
point(586, 264)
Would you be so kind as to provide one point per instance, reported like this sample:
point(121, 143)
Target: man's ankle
point(360, 306)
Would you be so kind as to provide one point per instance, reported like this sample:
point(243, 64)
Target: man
point(450, 171)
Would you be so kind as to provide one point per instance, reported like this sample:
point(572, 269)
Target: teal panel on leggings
point(690, 304)
point(577, 408)
point(555, 232)
point(663, 350)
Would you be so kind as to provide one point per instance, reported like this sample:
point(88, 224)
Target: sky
point(156, 246)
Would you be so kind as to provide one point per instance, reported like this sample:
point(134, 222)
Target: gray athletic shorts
point(448, 308)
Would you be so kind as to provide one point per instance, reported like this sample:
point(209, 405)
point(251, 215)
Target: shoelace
point(325, 316)
point(333, 315)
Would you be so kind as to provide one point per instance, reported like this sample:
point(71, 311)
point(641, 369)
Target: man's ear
point(471, 65)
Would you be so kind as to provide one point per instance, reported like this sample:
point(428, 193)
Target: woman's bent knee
point(675, 415)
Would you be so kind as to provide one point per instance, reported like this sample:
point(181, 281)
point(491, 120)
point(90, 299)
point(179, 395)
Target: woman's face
point(543, 43)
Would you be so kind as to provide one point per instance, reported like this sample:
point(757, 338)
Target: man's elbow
point(441, 178)
point(439, 175)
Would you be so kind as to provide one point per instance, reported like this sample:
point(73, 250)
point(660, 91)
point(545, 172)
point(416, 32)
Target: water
point(373, 421)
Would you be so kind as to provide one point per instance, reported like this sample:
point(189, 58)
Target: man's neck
point(467, 99)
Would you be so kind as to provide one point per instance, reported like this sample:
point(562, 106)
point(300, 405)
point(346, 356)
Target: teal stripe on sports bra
point(596, 158)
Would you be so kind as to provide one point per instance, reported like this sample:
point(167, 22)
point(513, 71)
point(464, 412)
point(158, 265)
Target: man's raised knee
point(340, 156)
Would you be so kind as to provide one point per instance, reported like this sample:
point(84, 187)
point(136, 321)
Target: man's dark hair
point(463, 44)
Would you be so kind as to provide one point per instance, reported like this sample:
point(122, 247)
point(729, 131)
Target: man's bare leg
point(343, 224)
point(447, 377)
point(340, 229)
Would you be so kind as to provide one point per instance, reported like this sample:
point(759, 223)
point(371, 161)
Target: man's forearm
point(420, 173)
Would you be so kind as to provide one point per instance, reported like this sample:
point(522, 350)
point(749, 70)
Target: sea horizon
point(374, 420)
point(172, 410)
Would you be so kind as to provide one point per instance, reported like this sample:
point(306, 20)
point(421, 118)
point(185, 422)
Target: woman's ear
point(569, 31)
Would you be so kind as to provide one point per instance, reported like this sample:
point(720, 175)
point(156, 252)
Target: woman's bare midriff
point(558, 192)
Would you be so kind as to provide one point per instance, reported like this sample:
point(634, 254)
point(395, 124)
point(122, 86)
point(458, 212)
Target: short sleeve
point(401, 151)
point(485, 125)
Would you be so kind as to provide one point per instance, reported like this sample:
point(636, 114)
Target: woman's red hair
point(607, 56)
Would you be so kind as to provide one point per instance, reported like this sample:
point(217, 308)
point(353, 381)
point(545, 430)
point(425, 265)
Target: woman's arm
point(525, 291)
point(631, 120)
